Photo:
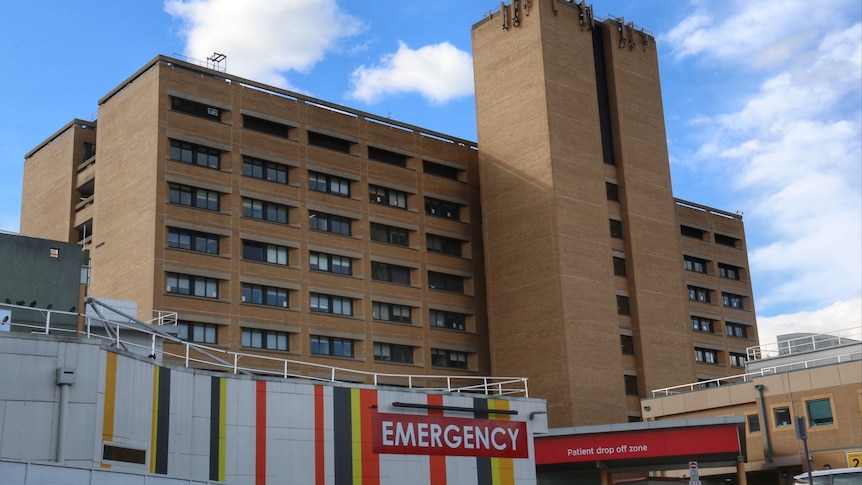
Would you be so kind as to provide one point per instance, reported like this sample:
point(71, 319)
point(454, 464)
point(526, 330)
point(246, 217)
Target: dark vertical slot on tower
point(602, 95)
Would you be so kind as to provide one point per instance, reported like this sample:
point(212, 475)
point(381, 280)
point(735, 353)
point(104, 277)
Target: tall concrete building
point(292, 228)
point(586, 250)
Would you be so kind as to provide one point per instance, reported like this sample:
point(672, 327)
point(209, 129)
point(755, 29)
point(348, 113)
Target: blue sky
point(762, 102)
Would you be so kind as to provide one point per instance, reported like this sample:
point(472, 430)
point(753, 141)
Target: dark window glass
point(265, 339)
point(206, 333)
point(612, 191)
point(753, 423)
point(726, 240)
point(390, 273)
point(619, 266)
point(736, 359)
point(89, 151)
point(689, 231)
point(386, 156)
point(330, 263)
point(339, 347)
point(193, 197)
point(126, 455)
point(330, 184)
point(391, 312)
point(782, 417)
point(623, 305)
point(732, 301)
point(627, 344)
point(696, 293)
point(440, 170)
point(445, 282)
point(386, 196)
point(819, 412)
point(195, 154)
point(265, 210)
point(264, 170)
point(701, 324)
point(389, 234)
point(728, 271)
point(442, 208)
point(328, 142)
point(694, 264)
point(705, 355)
point(265, 126)
point(448, 320)
point(736, 330)
point(264, 253)
point(320, 221)
point(184, 284)
point(265, 295)
point(336, 305)
point(201, 242)
point(448, 358)
point(616, 229)
point(443, 244)
point(393, 353)
point(195, 108)
point(631, 383)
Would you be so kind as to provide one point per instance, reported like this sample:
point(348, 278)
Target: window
point(445, 282)
point(194, 197)
point(328, 142)
point(693, 232)
point(728, 241)
point(89, 151)
point(264, 170)
point(265, 295)
point(195, 108)
point(782, 417)
point(448, 358)
point(336, 305)
point(321, 182)
point(125, 455)
point(728, 271)
point(736, 330)
point(320, 221)
point(443, 244)
point(440, 170)
point(389, 234)
point(612, 191)
point(184, 284)
point(265, 339)
point(701, 324)
point(696, 293)
point(391, 313)
point(206, 333)
point(731, 300)
point(386, 156)
point(819, 412)
point(706, 356)
point(737, 359)
point(442, 208)
point(391, 273)
point(330, 263)
point(627, 344)
point(265, 210)
point(448, 320)
point(385, 196)
point(619, 266)
point(753, 423)
point(264, 253)
point(265, 126)
point(195, 154)
point(201, 242)
point(631, 385)
point(616, 229)
point(694, 264)
point(623, 305)
point(393, 353)
point(338, 347)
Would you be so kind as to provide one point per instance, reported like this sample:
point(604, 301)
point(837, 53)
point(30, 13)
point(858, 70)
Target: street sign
point(694, 473)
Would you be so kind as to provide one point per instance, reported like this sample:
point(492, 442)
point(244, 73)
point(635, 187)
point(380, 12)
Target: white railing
point(122, 335)
point(776, 369)
point(806, 343)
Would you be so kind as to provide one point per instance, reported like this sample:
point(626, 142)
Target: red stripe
point(260, 438)
point(437, 462)
point(319, 449)
point(370, 460)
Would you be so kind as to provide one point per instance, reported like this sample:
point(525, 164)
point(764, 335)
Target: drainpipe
point(759, 388)
point(65, 378)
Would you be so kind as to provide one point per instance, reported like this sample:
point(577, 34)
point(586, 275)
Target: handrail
point(735, 379)
point(805, 343)
point(213, 358)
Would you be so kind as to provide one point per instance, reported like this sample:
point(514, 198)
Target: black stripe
point(483, 463)
point(602, 95)
point(215, 415)
point(342, 435)
point(163, 421)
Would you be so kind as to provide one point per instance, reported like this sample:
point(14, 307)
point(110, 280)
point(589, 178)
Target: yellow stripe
point(502, 469)
point(356, 432)
point(110, 398)
point(222, 428)
point(154, 419)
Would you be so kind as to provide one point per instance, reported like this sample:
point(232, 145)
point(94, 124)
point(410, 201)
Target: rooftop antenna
point(216, 60)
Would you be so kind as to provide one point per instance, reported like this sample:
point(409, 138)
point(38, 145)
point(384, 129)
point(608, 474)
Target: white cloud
point(839, 318)
point(791, 152)
point(263, 39)
point(439, 73)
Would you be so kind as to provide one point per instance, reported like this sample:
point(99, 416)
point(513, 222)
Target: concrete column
point(740, 473)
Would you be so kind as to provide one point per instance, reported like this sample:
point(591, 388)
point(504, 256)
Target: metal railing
point(153, 341)
point(747, 377)
point(805, 343)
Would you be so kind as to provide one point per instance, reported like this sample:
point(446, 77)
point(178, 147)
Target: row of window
point(331, 346)
point(819, 413)
point(707, 325)
point(698, 265)
point(710, 356)
point(720, 239)
point(704, 295)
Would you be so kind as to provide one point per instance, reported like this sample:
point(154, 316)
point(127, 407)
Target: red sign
point(637, 444)
point(411, 434)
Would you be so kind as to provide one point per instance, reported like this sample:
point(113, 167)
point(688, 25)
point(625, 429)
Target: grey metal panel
point(12, 473)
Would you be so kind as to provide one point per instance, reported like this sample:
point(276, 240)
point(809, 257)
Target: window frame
point(699, 294)
point(193, 285)
point(785, 409)
point(390, 273)
point(397, 236)
point(377, 194)
point(447, 320)
point(449, 246)
point(694, 264)
point(623, 306)
point(195, 108)
point(330, 263)
point(447, 357)
point(319, 342)
point(248, 334)
point(398, 354)
point(810, 417)
point(737, 330)
point(729, 271)
point(266, 252)
point(189, 196)
point(328, 184)
point(260, 169)
point(190, 329)
point(616, 228)
point(329, 223)
point(330, 304)
point(631, 385)
point(733, 300)
point(705, 356)
point(446, 282)
point(627, 345)
point(443, 208)
point(198, 241)
point(194, 154)
point(264, 210)
point(265, 295)
point(702, 324)
point(391, 312)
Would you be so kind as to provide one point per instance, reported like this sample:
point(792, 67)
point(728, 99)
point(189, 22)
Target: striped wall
point(235, 429)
